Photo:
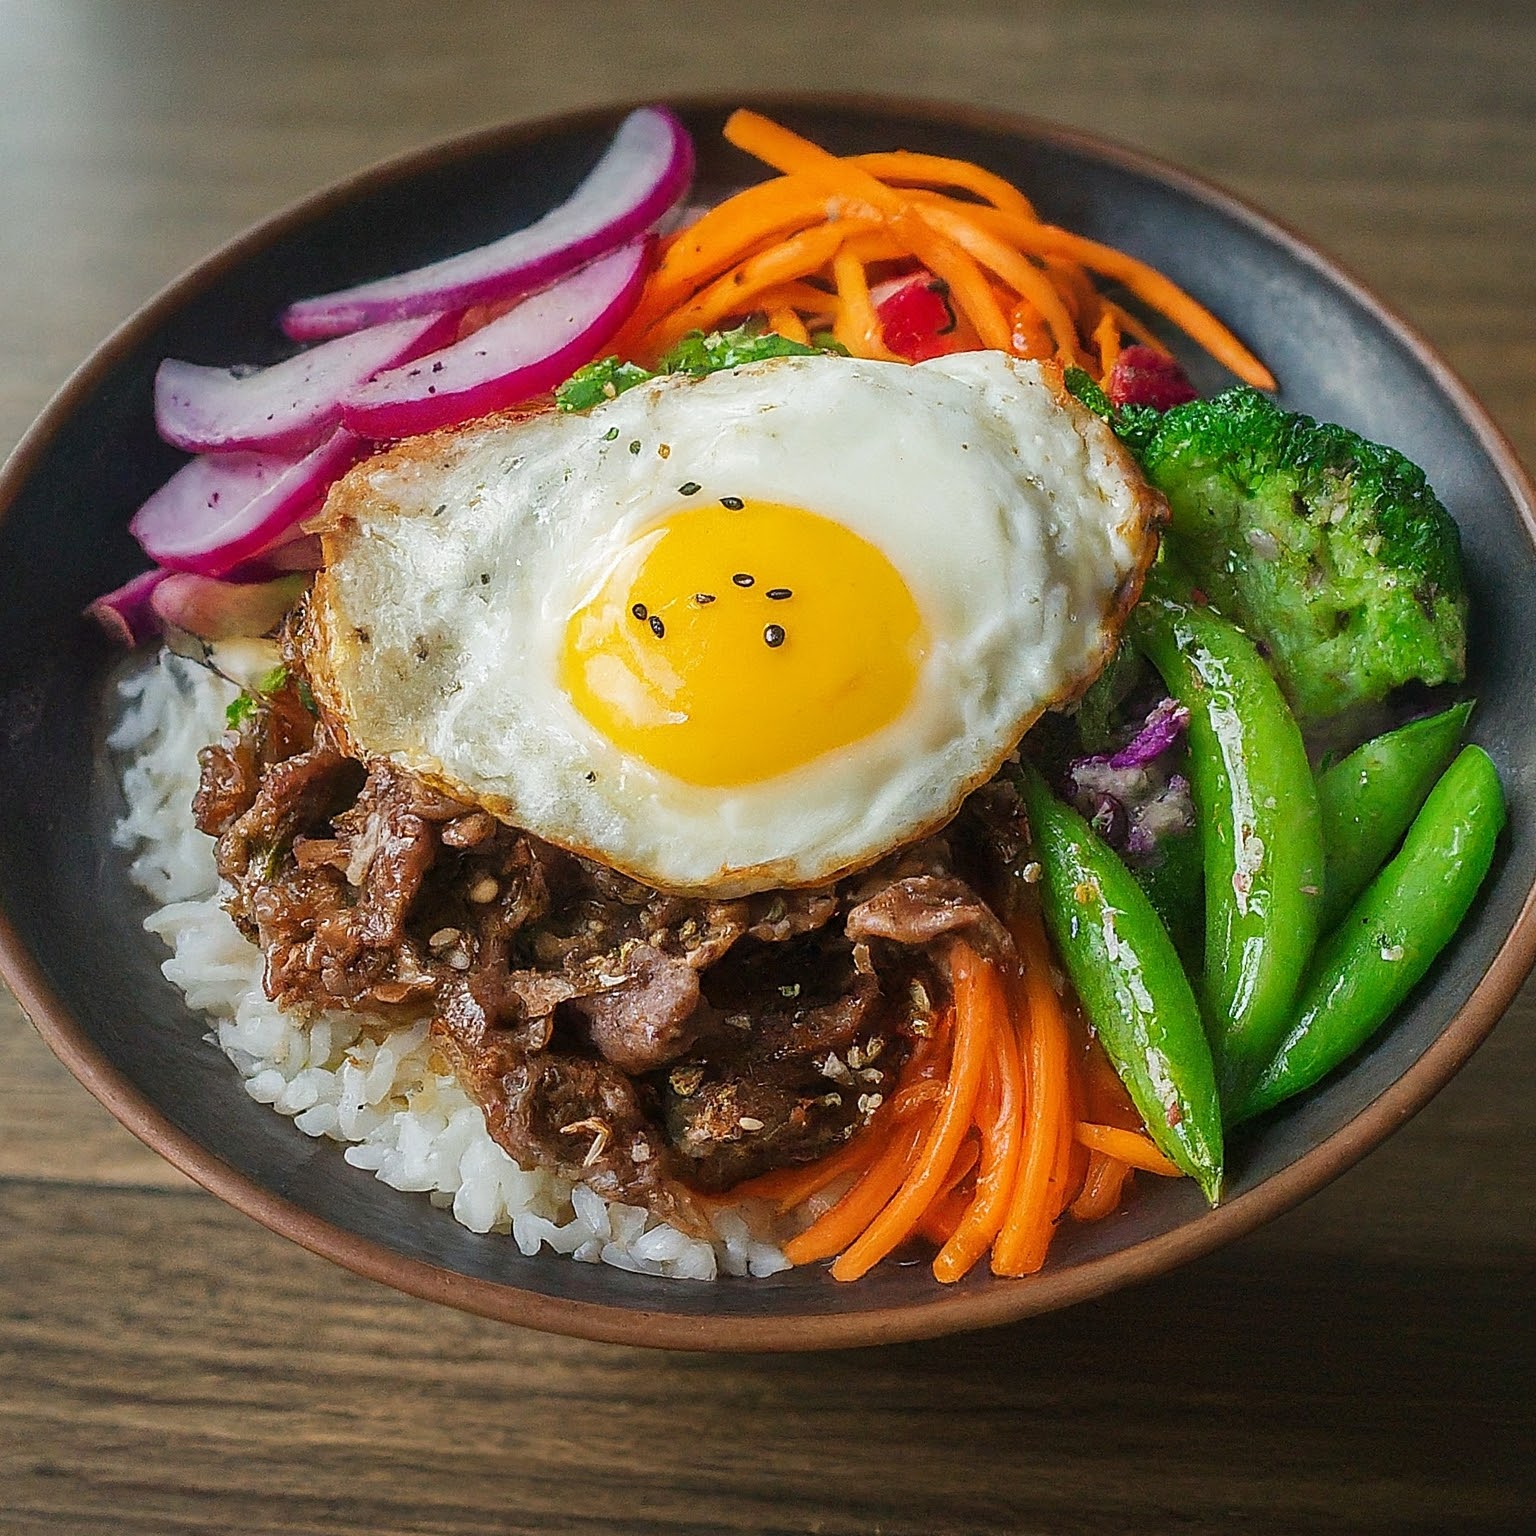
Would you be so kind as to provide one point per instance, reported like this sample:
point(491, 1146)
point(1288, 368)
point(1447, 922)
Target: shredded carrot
point(1001, 1125)
point(856, 325)
point(954, 1198)
point(972, 1044)
point(788, 152)
point(733, 293)
point(803, 297)
point(835, 1229)
point(1102, 1187)
point(783, 321)
point(1137, 331)
point(1128, 1147)
point(1021, 274)
point(1021, 1245)
point(788, 1187)
point(905, 168)
point(1016, 284)
point(1146, 282)
point(1106, 337)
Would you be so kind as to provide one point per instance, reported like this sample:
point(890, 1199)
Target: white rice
point(351, 1077)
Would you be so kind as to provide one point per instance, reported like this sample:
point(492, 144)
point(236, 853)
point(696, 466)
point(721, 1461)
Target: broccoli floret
point(1333, 552)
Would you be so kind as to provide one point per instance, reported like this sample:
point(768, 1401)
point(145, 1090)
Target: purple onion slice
point(290, 406)
point(220, 510)
point(642, 174)
point(531, 348)
point(126, 612)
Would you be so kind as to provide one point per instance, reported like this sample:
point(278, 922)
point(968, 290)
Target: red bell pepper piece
point(916, 318)
point(1144, 377)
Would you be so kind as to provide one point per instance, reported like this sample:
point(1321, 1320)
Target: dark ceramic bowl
point(70, 936)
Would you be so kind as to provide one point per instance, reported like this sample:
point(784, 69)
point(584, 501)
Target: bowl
point(71, 941)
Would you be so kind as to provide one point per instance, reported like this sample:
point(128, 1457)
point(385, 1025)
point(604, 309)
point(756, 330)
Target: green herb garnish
point(695, 355)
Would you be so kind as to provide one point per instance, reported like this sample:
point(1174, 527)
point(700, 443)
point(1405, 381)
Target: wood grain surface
point(1363, 1364)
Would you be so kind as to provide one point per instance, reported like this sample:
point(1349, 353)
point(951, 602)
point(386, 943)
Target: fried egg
point(733, 633)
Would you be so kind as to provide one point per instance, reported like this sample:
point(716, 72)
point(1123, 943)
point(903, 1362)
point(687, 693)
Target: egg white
point(453, 562)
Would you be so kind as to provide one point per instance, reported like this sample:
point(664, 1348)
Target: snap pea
point(1407, 915)
point(1124, 969)
point(1259, 823)
point(1175, 885)
point(1369, 798)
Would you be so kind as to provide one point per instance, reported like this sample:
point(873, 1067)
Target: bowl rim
point(948, 1311)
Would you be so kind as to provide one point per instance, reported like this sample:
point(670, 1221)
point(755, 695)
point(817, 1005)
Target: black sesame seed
point(657, 627)
point(688, 488)
point(732, 503)
point(703, 599)
point(778, 594)
point(591, 777)
point(439, 509)
point(485, 578)
point(641, 612)
point(773, 636)
point(742, 579)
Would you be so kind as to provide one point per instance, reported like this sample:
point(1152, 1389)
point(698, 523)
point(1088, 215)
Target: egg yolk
point(735, 640)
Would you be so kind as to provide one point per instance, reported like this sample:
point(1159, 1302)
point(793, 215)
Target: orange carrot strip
point(787, 1187)
point(833, 1230)
point(1101, 1188)
point(1146, 282)
point(1030, 337)
point(953, 221)
point(1002, 1133)
point(857, 326)
point(788, 152)
point(1134, 328)
point(878, 245)
point(940, 1221)
point(1076, 289)
point(1071, 1160)
point(1106, 337)
point(972, 1035)
point(731, 231)
point(736, 292)
point(784, 322)
point(803, 297)
point(949, 1205)
point(907, 168)
point(1021, 1245)
point(1128, 1146)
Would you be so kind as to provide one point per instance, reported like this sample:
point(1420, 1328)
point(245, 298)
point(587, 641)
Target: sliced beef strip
point(786, 1082)
point(232, 769)
point(921, 909)
point(547, 1108)
point(626, 1037)
point(628, 960)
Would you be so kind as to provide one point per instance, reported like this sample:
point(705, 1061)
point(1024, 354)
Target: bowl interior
point(91, 977)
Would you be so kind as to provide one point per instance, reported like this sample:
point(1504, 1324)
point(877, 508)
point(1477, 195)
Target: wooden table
point(1363, 1364)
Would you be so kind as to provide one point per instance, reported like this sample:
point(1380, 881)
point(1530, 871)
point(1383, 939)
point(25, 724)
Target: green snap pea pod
point(1369, 798)
point(1125, 971)
point(1175, 885)
point(1407, 915)
point(1259, 823)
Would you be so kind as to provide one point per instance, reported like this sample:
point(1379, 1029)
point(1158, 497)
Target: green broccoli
point(1333, 552)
